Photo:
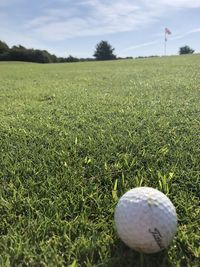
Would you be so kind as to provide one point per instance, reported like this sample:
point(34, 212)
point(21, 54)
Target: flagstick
point(167, 31)
point(165, 41)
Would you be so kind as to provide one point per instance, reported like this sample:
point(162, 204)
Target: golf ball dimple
point(145, 219)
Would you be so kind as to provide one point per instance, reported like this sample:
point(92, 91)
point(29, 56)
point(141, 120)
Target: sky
point(74, 27)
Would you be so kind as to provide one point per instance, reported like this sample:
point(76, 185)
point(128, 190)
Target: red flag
point(167, 31)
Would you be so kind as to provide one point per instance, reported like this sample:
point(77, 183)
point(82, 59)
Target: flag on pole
point(167, 31)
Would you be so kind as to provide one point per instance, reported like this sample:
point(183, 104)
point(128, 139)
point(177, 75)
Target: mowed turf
point(75, 137)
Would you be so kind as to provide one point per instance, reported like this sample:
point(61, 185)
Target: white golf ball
point(145, 219)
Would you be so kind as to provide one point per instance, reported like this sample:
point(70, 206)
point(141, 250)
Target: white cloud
point(78, 18)
point(195, 30)
point(180, 36)
point(95, 17)
point(180, 3)
point(133, 47)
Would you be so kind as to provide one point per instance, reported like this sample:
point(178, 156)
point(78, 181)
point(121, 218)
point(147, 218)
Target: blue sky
point(133, 28)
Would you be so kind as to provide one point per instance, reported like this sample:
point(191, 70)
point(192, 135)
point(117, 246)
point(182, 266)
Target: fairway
point(75, 137)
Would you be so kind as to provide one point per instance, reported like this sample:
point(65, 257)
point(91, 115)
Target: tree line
point(103, 51)
point(21, 53)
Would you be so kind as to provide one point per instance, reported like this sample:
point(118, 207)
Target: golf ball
point(145, 219)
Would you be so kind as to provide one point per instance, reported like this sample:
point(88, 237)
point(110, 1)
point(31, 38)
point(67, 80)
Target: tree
point(185, 50)
point(3, 47)
point(19, 53)
point(71, 59)
point(104, 51)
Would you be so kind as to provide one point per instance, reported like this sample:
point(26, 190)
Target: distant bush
point(185, 50)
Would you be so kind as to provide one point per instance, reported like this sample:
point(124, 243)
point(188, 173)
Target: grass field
point(75, 137)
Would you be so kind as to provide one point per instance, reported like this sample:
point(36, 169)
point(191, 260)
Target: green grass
point(75, 137)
